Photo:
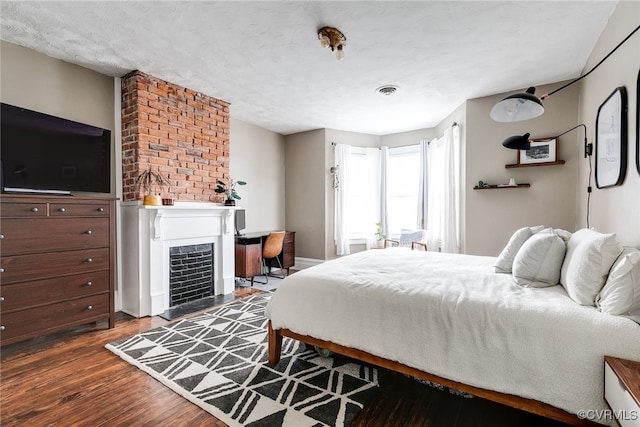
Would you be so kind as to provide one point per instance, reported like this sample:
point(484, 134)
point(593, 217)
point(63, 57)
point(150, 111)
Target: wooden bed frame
point(529, 405)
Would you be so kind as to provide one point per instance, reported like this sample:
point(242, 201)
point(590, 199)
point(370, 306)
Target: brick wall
point(191, 271)
point(181, 133)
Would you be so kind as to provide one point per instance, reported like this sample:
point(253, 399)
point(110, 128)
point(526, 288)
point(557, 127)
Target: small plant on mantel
point(227, 186)
point(152, 182)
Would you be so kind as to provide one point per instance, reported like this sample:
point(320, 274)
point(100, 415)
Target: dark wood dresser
point(57, 264)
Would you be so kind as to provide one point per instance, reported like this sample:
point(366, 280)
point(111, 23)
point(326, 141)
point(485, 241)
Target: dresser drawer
point(19, 296)
point(72, 209)
point(38, 321)
point(625, 407)
point(22, 236)
point(23, 210)
point(18, 268)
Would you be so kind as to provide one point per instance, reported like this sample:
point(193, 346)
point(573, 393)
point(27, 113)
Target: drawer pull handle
point(62, 210)
point(89, 283)
point(89, 307)
point(34, 209)
point(1, 299)
point(88, 232)
point(1, 270)
point(89, 259)
point(1, 327)
point(100, 209)
point(1, 236)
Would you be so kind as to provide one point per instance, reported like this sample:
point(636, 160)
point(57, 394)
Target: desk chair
point(272, 249)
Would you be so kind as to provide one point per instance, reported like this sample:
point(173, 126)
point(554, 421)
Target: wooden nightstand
point(622, 390)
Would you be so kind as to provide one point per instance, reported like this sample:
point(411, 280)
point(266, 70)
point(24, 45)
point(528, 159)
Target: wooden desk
point(248, 250)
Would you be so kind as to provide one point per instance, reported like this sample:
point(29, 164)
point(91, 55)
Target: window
point(403, 184)
point(363, 192)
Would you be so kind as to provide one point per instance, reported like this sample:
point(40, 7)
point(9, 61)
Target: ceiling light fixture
point(525, 105)
point(333, 38)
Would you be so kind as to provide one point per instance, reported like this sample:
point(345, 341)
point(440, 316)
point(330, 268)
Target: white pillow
point(621, 293)
point(504, 263)
point(539, 260)
point(589, 258)
point(564, 234)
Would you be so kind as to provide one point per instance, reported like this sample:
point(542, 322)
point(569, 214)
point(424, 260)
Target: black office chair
point(271, 250)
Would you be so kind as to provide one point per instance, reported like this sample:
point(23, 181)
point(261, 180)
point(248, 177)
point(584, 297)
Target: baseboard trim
point(302, 263)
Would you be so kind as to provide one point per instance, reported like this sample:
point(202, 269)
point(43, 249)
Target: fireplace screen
point(191, 273)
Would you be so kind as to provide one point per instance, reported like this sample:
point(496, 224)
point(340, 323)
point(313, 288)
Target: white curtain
point(371, 215)
point(383, 200)
point(341, 232)
point(443, 204)
point(423, 191)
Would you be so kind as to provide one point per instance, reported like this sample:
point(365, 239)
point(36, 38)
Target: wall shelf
point(500, 187)
point(528, 165)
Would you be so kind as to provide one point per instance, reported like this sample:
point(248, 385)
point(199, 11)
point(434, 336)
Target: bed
point(453, 320)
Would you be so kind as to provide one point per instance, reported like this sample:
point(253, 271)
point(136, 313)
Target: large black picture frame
point(611, 140)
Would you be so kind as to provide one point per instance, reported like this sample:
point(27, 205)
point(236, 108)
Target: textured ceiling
point(264, 57)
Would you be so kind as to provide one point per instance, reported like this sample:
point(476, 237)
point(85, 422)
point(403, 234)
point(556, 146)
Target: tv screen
point(43, 153)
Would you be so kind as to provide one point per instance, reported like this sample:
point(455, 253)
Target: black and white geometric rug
point(218, 360)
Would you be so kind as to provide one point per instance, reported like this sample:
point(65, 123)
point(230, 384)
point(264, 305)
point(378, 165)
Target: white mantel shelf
point(150, 231)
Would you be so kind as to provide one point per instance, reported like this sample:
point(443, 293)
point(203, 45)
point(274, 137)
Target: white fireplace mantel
point(148, 234)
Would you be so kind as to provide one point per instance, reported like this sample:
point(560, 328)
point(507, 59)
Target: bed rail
point(529, 405)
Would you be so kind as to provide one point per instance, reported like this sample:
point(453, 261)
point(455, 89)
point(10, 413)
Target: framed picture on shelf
point(542, 151)
point(611, 140)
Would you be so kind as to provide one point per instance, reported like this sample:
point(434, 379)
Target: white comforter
point(452, 316)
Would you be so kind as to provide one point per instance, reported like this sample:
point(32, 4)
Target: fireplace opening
point(190, 273)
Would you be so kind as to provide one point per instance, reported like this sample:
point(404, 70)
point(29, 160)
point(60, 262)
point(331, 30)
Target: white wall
point(258, 157)
point(407, 138)
point(305, 189)
point(614, 209)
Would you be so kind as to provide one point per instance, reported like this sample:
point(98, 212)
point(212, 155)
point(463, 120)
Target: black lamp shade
point(518, 142)
point(518, 107)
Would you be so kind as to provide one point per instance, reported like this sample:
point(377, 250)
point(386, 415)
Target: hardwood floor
point(70, 379)
point(403, 402)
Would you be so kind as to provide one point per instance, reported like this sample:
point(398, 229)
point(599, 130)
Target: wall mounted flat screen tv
point(40, 153)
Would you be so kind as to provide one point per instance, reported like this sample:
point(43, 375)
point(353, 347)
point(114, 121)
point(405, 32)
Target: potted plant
point(380, 236)
point(227, 186)
point(152, 183)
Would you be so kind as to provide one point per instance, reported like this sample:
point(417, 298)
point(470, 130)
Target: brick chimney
point(179, 132)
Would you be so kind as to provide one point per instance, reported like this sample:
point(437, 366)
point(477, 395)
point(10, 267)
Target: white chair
point(413, 239)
